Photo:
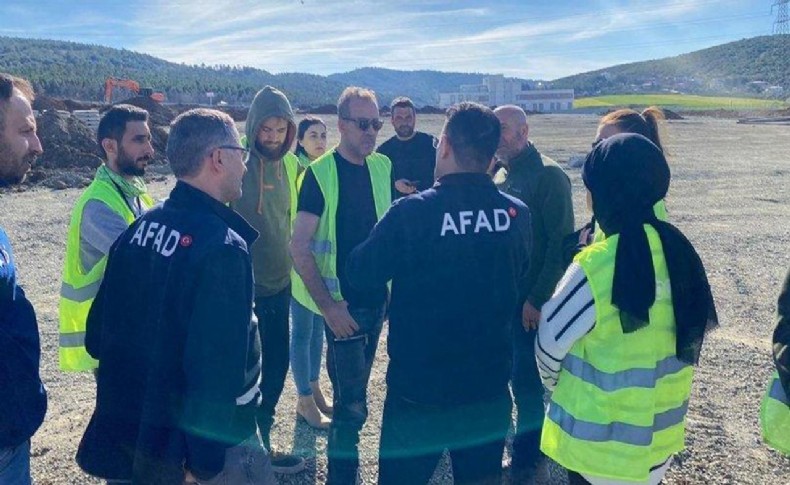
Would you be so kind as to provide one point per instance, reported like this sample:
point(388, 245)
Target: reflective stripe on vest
point(324, 244)
point(620, 403)
point(79, 288)
point(775, 416)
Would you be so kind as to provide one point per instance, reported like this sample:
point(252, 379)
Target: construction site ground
point(729, 194)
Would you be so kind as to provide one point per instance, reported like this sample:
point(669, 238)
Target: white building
point(498, 90)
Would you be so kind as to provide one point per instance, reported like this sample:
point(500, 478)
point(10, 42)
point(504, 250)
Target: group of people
point(464, 243)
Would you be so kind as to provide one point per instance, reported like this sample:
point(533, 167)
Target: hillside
point(74, 70)
point(745, 67)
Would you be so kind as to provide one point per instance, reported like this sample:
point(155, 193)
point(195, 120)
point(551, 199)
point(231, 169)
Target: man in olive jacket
point(541, 184)
point(267, 190)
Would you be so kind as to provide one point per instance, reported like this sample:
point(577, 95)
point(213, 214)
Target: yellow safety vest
point(659, 209)
point(324, 244)
point(79, 287)
point(775, 416)
point(620, 403)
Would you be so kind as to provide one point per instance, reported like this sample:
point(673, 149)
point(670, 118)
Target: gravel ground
point(729, 194)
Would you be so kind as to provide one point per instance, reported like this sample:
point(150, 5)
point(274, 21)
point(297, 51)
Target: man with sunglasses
point(540, 183)
point(174, 332)
point(412, 152)
point(115, 198)
point(268, 203)
point(343, 194)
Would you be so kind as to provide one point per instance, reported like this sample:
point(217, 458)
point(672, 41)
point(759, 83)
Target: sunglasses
point(364, 123)
point(597, 142)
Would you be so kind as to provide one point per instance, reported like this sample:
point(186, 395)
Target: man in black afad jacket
point(173, 329)
point(23, 399)
point(457, 255)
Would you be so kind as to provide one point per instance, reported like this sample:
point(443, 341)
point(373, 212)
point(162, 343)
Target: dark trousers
point(272, 312)
point(414, 436)
point(349, 362)
point(528, 396)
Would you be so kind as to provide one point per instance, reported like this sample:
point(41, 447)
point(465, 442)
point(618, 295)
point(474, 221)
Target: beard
point(404, 131)
point(129, 166)
point(13, 169)
point(270, 151)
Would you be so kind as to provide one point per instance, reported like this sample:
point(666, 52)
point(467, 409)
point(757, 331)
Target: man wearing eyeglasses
point(268, 203)
point(541, 184)
point(174, 332)
point(412, 152)
point(343, 194)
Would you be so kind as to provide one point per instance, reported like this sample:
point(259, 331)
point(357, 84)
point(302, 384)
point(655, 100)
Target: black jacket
point(781, 341)
point(177, 344)
point(23, 400)
point(457, 255)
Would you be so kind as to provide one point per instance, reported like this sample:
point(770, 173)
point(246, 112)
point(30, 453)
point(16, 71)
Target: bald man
point(541, 184)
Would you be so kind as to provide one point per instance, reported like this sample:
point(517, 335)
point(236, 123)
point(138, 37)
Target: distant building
point(499, 90)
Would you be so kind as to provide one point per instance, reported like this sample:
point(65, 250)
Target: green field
point(681, 101)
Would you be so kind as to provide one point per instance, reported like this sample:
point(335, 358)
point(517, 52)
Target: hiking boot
point(285, 463)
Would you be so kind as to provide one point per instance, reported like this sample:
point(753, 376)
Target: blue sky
point(529, 39)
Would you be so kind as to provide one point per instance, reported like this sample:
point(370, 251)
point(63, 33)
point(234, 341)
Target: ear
point(526, 131)
point(214, 162)
point(110, 146)
point(444, 148)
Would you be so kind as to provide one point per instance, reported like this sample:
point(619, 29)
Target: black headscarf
point(627, 175)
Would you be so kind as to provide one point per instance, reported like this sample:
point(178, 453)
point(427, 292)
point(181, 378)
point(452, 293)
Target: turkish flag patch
point(186, 241)
point(512, 212)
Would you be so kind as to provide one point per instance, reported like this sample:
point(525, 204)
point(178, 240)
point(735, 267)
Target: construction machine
point(132, 86)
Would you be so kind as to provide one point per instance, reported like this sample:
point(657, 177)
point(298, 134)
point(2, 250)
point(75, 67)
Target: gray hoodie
point(266, 196)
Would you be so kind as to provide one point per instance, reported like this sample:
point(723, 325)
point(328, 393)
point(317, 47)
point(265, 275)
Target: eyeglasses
point(436, 142)
point(364, 123)
point(244, 151)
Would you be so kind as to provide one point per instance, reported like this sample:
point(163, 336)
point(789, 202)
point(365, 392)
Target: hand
point(405, 186)
point(339, 320)
point(189, 477)
point(530, 317)
point(585, 236)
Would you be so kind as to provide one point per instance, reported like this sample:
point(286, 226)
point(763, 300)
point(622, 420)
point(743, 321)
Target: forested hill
point(74, 70)
point(748, 66)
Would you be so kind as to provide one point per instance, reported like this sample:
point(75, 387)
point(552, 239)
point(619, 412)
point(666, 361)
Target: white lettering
point(171, 244)
point(448, 224)
point(150, 232)
point(501, 220)
point(160, 237)
point(138, 234)
point(466, 220)
point(482, 221)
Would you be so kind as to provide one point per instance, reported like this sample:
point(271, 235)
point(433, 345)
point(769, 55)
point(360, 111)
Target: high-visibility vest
point(620, 404)
point(79, 287)
point(659, 209)
point(775, 416)
point(292, 171)
point(324, 244)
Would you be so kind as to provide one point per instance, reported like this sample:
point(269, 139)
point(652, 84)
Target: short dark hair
point(7, 85)
point(402, 102)
point(305, 125)
point(472, 130)
point(113, 123)
point(192, 134)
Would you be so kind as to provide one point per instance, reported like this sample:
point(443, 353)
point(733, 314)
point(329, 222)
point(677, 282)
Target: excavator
point(132, 86)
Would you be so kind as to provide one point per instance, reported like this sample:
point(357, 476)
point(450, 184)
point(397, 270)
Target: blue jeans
point(15, 464)
point(307, 342)
point(349, 362)
point(528, 396)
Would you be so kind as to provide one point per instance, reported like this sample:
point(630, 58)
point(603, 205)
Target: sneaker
point(285, 463)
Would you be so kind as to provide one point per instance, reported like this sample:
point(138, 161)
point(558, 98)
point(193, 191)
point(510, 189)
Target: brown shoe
point(320, 400)
point(307, 409)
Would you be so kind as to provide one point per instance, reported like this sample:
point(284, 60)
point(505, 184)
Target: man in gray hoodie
point(268, 188)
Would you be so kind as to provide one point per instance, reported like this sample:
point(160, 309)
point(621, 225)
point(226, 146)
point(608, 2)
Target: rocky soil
point(730, 196)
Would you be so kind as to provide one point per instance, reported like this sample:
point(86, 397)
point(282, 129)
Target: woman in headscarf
point(618, 340)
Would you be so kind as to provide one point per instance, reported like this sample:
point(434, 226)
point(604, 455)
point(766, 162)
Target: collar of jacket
point(525, 162)
point(465, 178)
point(195, 200)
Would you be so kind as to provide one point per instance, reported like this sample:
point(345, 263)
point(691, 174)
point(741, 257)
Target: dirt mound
point(671, 115)
point(67, 142)
point(45, 103)
point(159, 115)
point(327, 109)
point(431, 110)
point(73, 104)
